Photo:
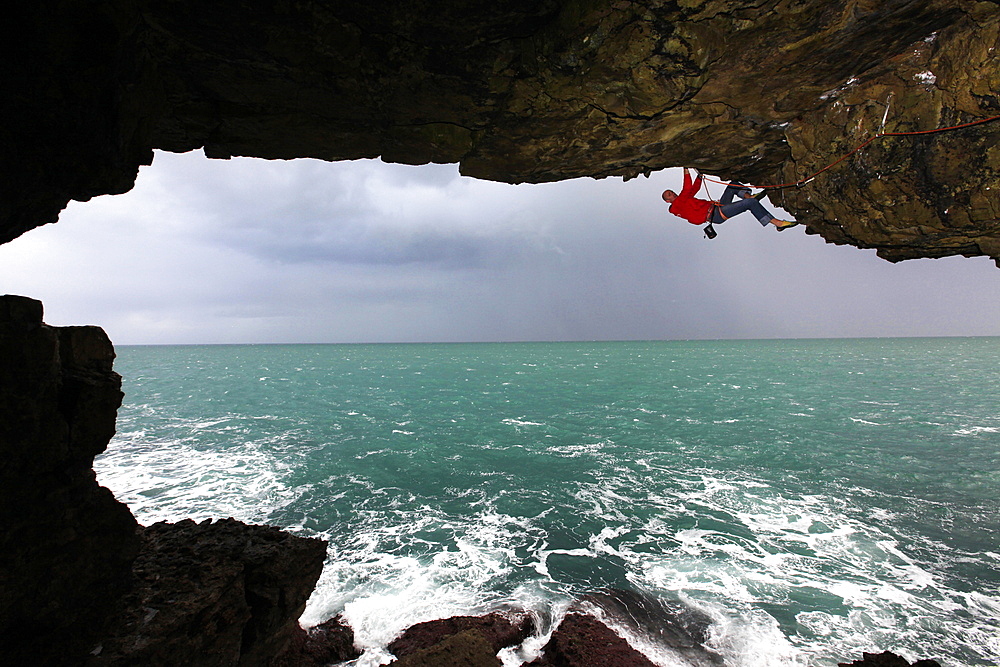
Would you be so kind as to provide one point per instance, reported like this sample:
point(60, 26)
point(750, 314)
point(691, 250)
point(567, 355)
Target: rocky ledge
point(212, 593)
point(770, 92)
point(80, 581)
point(582, 638)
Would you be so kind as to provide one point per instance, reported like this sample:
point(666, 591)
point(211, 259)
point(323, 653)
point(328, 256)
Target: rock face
point(66, 547)
point(79, 578)
point(221, 593)
point(527, 90)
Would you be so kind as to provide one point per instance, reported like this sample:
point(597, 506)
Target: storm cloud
point(242, 250)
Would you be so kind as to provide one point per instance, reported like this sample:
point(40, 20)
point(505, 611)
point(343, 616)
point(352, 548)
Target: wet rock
point(499, 630)
point(465, 649)
point(667, 623)
point(527, 91)
point(583, 641)
point(887, 659)
point(214, 593)
point(328, 643)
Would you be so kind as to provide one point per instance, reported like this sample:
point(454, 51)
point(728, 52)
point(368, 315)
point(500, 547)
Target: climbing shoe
point(782, 225)
point(760, 195)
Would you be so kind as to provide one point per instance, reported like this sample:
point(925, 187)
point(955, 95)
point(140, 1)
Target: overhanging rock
point(527, 91)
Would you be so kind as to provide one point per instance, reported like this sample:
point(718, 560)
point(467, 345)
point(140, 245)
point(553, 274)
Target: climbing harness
point(803, 181)
point(709, 230)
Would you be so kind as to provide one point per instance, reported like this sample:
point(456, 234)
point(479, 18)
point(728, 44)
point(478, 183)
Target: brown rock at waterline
point(330, 642)
point(465, 649)
point(499, 630)
point(887, 659)
point(583, 641)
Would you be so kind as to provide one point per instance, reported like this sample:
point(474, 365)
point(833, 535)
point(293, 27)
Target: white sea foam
point(750, 639)
point(574, 451)
point(520, 422)
point(802, 546)
point(975, 430)
point(179, 480)
point(381, 594)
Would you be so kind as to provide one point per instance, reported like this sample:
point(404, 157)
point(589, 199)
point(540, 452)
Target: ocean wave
point(976, 430)
point(520, 422)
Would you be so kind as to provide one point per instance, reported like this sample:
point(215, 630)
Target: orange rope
point(803, 181)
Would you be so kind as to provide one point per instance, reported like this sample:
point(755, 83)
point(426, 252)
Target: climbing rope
point(803, 181)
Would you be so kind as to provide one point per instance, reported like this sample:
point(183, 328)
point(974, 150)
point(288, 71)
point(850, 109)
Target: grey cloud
point(353, 213)
point(304, 251)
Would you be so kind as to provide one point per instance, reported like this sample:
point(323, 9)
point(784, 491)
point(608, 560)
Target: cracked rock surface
point(769, 92)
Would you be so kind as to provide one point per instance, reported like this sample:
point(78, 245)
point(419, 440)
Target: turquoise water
point(814, 498)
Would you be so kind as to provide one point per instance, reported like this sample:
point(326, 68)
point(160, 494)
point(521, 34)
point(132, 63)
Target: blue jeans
point(729, 208)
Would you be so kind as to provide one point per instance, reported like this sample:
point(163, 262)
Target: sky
point(305, 251)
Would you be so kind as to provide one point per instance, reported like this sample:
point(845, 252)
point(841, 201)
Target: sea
point(812, 499)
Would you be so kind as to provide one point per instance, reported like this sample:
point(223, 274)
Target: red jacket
point(689, 207)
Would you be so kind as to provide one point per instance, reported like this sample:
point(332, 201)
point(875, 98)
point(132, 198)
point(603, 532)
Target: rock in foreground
point(583, 641)
point(460, 640)
point(66, 544)
point(330, 642)
point(80, 580)
point(887, 659)
point(499, 630)
point(214, 593)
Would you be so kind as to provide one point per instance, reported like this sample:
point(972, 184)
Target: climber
point(699, 211)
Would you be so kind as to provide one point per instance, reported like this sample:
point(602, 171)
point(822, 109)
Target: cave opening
point(246, 251)
point(208, 257)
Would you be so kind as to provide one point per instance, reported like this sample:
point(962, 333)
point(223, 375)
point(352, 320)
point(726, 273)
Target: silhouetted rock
point(214, 593)
point(66, 544)
point(80, 580)
point(887, 659)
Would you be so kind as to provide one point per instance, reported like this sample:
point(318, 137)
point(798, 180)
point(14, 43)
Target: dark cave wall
point(514, 90)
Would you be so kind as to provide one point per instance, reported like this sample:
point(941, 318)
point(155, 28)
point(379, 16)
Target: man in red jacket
point(699, 211)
